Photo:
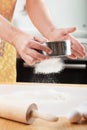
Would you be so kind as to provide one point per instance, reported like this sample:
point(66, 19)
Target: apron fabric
point(8, 60)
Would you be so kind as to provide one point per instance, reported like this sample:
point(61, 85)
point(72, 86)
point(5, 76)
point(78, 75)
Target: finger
point(30, 60)
point(69, 30)
point(78, 53)
point(78, 49)
point(75, 54)
point(38, 46)
point(36, 55)
point(41, 40)
point(76, 44)
point(72, 57)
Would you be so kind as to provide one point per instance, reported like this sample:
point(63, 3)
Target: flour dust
point(48, 66)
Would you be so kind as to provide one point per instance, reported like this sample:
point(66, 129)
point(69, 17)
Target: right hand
point(77, 49)
point(26, 46)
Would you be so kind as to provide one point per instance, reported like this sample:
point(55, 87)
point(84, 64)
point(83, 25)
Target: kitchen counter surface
point(62, 123)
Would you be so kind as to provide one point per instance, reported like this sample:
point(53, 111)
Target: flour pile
point(52, 65)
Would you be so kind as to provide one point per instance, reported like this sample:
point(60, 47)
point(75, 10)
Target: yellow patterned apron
point(8, 60)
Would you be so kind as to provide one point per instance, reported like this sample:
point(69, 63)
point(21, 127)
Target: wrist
point(19, 37)
point(15, 36)
point(50, 33)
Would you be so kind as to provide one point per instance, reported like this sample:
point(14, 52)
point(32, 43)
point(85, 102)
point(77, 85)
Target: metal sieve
point(59, 48)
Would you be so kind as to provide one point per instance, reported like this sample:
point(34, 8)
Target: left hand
point(77, 48)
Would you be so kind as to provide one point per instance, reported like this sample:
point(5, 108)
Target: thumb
point(40, 39)
point(69, 30)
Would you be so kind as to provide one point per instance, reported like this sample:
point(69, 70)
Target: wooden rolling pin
point(47, 117)
point(22, 111)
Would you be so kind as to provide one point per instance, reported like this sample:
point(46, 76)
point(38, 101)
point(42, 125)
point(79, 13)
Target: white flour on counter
point(52, 65)
point(36, 96)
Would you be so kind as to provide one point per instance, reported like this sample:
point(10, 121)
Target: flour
point(52, 65)
point(42, 96)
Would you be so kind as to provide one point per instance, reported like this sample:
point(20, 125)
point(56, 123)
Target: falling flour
point(52, 65)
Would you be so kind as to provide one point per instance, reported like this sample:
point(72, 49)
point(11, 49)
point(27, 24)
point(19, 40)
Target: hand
point(27, 47)
point(77, 49)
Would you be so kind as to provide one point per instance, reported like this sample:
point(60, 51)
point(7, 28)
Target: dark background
point(68, 75)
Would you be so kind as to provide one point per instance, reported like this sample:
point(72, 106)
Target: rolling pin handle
point(43, 116)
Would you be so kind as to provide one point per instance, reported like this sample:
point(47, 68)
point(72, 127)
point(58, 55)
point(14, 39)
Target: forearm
point(8, 32)
point(40, 16)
